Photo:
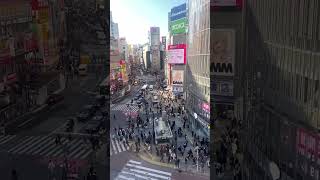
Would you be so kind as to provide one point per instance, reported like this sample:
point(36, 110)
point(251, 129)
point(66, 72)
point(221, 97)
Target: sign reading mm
point(178, 26)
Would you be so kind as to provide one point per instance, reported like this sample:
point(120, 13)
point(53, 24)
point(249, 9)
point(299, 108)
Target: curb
point(143, 157)
point(155, 162)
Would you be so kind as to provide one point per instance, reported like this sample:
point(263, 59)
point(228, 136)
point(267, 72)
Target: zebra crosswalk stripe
point(119, 150)
point(135, 170)
point(46, 146)
point(4, 139)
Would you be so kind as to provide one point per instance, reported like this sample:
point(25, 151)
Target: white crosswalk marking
point(126, 108)
point(135, 170)
point(4, 139)
point(46, 146)
point(117, 146)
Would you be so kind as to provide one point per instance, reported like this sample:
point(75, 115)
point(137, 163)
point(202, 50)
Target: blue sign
point(178, 12)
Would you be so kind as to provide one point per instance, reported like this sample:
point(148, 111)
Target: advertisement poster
point(177, 77)
point(223, 52)
point(308, 153)
point(178, 26)
point(177, 54)
point(222, 88)
point(178, 12)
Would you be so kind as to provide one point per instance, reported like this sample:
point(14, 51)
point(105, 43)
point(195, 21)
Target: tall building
point(154, 41)
point(176, 50)
point(197, 67)
point(114, 31)
point(281, 79)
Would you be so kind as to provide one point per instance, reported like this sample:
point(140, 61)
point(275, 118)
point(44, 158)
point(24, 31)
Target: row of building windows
point(288, 21)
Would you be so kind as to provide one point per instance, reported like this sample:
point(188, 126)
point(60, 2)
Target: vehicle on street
point(83, 69)
point(163, 133)
point(139, 102)
point(54, 98)
point(155, 99)
point(136, 98)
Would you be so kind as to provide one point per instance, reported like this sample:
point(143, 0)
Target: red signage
point(122, 62)
point(308, 143)
point(206, 107)
point(34, 5)
point(11, 78)
point(177, 54)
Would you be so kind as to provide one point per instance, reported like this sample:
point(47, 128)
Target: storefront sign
point(177, 77)
point(178, 26)
point(11, 78)
point(206, 107)
point(308, 153)
point(177, 54)
point(223, 52)
point(178, 12)
point(222, 88)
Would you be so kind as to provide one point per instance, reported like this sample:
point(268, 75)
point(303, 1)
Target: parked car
point(86, 113)
point(54, 98)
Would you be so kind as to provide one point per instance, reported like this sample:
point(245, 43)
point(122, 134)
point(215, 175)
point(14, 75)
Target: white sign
point(177, 77)
point(222, 88)
point(223, 52)
point(176, 56)
point(224, 3)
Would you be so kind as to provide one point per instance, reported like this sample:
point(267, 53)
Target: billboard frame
point(179, 46)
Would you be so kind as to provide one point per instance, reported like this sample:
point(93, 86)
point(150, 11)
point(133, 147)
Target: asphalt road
point(33, 165)
point(120, 157)
point(76, 96)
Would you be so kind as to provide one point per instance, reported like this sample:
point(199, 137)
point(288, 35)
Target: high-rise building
point(114, 31)
point(281, 81)
point(154, 41)
point(197, 66)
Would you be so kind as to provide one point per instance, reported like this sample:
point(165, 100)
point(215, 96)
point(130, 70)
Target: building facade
point(282, 72)
point(197, 65)
point(154, 41)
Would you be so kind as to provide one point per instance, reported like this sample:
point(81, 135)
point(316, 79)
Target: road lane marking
point(149, 169)
point(119, 150)
point(19, 145)
point(5, 139)
point(135, 162)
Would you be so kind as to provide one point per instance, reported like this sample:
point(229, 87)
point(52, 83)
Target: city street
point(36, 143)
point(121, 151)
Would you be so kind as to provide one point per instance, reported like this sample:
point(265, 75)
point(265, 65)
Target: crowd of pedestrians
point(229, 155)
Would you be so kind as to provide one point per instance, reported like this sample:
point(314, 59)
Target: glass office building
point(198, 65)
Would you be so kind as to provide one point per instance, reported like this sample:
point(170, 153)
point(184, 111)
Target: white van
point(83, 69)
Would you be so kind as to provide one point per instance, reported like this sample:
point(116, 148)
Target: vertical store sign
point(43, 20)
point(223, 52)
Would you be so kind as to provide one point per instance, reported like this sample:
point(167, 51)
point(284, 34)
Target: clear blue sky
point(135, 17)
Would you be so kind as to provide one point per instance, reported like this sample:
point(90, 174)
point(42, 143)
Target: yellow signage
point(43, 15)
point(84, 59)
point(44, 32)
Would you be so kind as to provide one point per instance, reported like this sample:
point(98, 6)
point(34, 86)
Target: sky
point(135, 17)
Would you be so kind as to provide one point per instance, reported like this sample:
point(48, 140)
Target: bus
point(163, 133)
point(104, 87)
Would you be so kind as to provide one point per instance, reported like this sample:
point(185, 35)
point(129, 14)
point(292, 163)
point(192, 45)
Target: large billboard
point(178, 26)
point(222, 88)
point(177, 54)
point(223, 52)
point(177, 77)
point(178, 12)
